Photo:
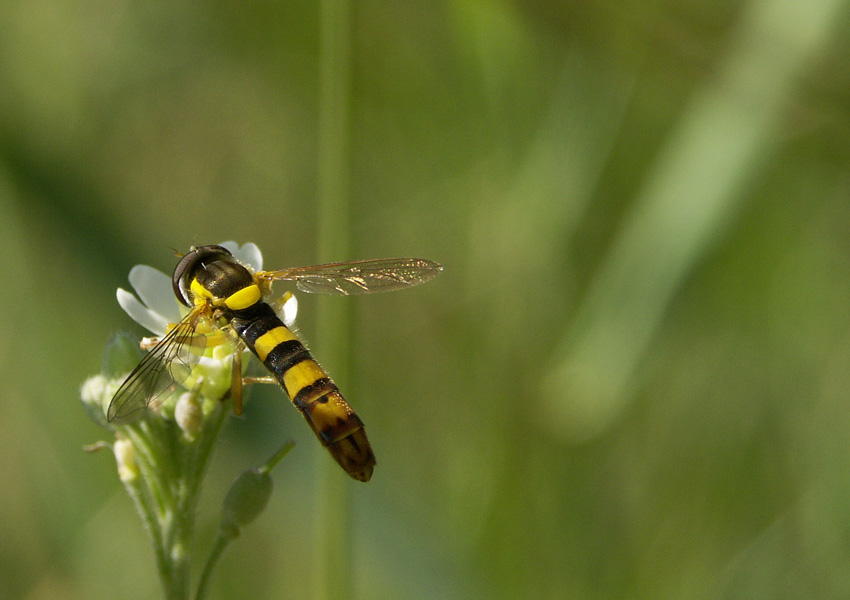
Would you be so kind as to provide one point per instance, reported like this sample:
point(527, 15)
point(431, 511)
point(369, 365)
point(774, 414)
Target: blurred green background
point(633, 378)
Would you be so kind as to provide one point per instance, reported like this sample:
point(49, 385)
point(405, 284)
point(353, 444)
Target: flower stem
point(167, 489)
point(244, 502)
point(220, 544)
point(331, 567)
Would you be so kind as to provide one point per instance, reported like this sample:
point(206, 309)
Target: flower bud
point(189, 414)
point(125, 456)
point(96, 394)
point(246, 499)
point(121, 355)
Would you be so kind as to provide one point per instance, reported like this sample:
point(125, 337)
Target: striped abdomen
point(311, 390)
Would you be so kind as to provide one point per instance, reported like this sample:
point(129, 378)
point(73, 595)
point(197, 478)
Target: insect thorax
point(219, 280)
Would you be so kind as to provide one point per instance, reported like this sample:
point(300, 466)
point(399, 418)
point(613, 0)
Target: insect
point(225, 297)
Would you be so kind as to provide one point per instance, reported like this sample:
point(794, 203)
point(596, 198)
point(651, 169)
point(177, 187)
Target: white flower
point(157, 307)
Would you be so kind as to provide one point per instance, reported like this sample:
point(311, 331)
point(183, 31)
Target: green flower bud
point(121, 355)
point(249, 494)
point(246, 499)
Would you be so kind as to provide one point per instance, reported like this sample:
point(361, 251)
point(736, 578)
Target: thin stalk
point(168, 505)
point(331, 567)
point(187, 504)
point(221, 542)
point(230, 528)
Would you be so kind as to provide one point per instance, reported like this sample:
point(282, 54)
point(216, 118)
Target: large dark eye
point(184, 269)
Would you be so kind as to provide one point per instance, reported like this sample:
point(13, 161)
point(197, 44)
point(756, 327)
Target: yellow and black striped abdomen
point(311, 390)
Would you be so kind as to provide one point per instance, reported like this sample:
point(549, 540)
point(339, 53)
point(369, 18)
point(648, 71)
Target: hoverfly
point(224, 296)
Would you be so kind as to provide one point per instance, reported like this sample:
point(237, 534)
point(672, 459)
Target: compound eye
point(184, 269)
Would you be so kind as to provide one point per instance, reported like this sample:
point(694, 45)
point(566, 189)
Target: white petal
point(208, 362)
point(250, 255)
point(289, 310)
point(155, 291)
point(140, 314)
point(230, 246)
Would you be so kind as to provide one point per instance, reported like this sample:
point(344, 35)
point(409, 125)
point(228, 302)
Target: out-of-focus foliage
point(633, 378)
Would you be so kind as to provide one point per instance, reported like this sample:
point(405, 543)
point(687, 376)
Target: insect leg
point(236, 382)
point(265, 379)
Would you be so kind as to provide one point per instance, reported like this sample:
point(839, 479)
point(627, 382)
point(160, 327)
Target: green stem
point(231, 529)
point(167, 490)
point(196, 460)
point(277, 457)
point(152, 470)
point(150, 517)
point(331, 567)
point(220, 544)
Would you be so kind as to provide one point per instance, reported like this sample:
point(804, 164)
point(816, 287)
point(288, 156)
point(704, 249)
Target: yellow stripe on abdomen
point(299, 376)
point(312, 392)
point(271, 339)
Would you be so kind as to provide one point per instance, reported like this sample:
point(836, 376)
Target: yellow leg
point(236, 378)
point(266, 379)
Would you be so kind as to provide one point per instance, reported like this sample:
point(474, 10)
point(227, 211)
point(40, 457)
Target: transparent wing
point(166, 366)
point(358, 276)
